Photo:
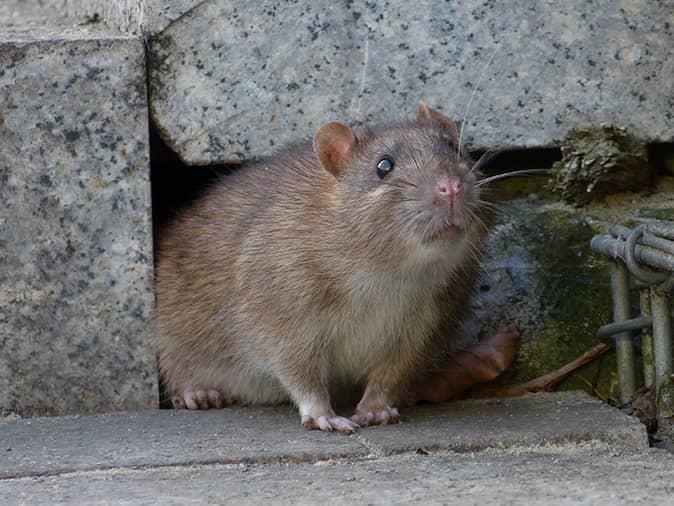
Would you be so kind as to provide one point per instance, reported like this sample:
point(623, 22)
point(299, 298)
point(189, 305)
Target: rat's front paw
point(380, 416)
point(330, 423)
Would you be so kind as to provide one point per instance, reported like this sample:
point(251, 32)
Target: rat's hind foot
point(383, 416)
point(479, 363)
point(330, 423)
point(199, 399)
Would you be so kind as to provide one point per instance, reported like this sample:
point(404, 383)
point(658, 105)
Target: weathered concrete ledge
point(47, 446)
point(572, 475)
point(75, 225)
point(529, 421)
point(231, 81)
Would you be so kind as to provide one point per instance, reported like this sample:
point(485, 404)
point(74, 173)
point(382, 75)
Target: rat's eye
point(384, 167)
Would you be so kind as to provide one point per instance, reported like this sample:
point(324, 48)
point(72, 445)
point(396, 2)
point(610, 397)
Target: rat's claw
point(344, 425)
point(215, 399)
point(199, 399)
point(330, 423)
point(384, 416)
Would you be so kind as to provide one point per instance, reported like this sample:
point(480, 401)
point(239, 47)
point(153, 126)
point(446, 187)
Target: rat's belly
point(374, 334)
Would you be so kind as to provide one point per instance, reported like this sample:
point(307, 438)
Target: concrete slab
point(260, 435)
point(75, 226)
point(528, 421)
point(573, 475)
point(231, 81)
point(46, 446)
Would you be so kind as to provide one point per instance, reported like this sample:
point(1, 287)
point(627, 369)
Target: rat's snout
point(448, 187)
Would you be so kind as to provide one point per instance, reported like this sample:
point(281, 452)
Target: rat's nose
point(449, 186)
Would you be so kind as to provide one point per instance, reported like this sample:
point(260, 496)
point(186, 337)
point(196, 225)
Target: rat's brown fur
point(293, 279)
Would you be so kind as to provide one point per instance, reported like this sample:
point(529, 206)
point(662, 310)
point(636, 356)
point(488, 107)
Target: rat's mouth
point(446, 233)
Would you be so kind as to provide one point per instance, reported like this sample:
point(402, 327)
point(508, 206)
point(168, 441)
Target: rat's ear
point(428, 115)
point(334, 144)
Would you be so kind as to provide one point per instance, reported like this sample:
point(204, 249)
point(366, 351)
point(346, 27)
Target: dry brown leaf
point(481, 362)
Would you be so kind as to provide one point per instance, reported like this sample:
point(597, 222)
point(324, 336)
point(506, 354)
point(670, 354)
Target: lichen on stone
point(666, 398)
point(599, 161)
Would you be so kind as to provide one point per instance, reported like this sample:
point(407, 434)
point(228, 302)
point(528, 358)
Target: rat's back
point(203, 259)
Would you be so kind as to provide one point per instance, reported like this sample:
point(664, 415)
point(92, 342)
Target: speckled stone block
point(75, 227)
point(142, 16)
point(128, 16)
point(233, 80)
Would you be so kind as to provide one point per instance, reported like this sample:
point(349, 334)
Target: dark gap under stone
point(174, 184)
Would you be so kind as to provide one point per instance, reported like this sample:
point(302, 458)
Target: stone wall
point(75, 227)
point(231, 81)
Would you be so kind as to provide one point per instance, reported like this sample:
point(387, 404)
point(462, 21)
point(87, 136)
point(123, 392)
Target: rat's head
point(403, 183)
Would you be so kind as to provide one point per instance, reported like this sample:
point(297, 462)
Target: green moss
point(658, 214)
point(572, 290)
point(518, 187)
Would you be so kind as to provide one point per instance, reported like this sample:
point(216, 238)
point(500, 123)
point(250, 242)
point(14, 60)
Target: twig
point(548, 381)
point(592, 387)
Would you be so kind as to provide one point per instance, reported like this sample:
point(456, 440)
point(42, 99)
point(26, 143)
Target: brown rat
point(346, 263)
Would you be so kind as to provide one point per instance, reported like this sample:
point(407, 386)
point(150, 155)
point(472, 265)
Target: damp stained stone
point(550, 285)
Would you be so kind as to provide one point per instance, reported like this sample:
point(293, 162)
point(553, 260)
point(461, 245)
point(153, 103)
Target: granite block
point(75, 228)
point(231, 80)
point(50, 20)
point(132, 17)
point(141, 16)
point(159, 14)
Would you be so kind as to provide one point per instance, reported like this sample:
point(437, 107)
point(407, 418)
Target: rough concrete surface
point(75, 227)
point(232, 81)
point(541, 449)
point(587, 474)
point(528, 421)
point(253, 435)
point(162, 438)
